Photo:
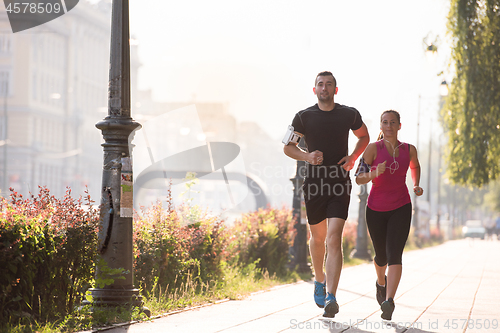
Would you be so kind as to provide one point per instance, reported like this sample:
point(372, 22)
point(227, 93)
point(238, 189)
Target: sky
point(261, 57)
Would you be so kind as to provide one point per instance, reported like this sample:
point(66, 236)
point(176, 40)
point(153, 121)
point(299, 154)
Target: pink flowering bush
point(49, 249)
point(47, 253)
point(349, 238)
point(168, 253)
point(263, 237)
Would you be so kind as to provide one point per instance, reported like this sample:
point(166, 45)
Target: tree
point(492, 198)
point(471, 114)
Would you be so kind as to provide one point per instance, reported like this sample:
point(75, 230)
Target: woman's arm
point(415, 171)
point(368, 157)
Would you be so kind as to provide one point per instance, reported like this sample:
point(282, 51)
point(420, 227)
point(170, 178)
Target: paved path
point(454, 287)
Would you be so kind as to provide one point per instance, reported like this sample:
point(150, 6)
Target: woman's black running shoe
point(381, 292)
point(387, 309)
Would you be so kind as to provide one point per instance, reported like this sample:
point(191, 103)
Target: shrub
point(436, 235)
point(169, 253)
point(349, 236)
point(263, 237)
point(47, 251)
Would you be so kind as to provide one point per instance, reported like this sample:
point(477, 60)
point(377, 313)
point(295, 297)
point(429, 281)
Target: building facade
point(53, 90)
point(53, 82)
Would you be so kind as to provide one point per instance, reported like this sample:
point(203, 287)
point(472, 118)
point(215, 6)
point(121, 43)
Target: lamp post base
point(304, 268)
point(365, 255)
point(116, 298)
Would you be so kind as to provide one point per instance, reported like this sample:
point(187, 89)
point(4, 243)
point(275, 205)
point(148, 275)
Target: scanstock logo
point(25, 14)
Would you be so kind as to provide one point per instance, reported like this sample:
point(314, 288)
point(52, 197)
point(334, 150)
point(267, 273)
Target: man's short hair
point(326, 73)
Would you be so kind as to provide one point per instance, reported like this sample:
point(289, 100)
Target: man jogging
point(327, 187)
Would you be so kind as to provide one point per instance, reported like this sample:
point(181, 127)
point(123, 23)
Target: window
point(34, 87)
point(34, 46)
point(5, 44)
point(4, 83)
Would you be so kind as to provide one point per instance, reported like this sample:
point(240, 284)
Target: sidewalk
point(454, 287)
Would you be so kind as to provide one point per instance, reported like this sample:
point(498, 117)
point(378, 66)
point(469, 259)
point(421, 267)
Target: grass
point(238, 283)
point(416, 243)
point(348, 262)
point(81, 319)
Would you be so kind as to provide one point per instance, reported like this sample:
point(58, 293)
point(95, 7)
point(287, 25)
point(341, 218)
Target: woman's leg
point(398, 228)
point(380, 270)
point(393, 277)
point(377, 226)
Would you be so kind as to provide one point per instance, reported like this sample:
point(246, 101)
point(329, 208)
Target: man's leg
point(334, 258)
point(317, 249)
point(333, 266)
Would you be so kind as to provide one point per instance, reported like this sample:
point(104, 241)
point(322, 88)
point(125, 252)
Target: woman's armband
point(362, 167)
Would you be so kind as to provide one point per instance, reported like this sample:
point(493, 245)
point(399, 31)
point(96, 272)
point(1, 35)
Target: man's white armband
point(291, 136)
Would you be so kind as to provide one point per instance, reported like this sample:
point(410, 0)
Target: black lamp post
point(5, 184)
point(443, 91)
point(361, 250)
point(115, 235)
point(299, 248)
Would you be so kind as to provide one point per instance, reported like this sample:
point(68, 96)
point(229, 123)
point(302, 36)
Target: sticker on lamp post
point(26, 14)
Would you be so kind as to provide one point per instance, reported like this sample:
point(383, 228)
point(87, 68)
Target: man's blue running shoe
point(319, 293)
point(331, 306)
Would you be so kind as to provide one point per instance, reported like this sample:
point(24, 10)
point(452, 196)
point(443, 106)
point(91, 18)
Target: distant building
point(266, 161)
point(53, 88)
point(184, 126)
point(263, 157)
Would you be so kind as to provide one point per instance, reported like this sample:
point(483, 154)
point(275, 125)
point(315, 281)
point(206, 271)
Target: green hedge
point(168, 252)
point(47, 251)
point(263, 237)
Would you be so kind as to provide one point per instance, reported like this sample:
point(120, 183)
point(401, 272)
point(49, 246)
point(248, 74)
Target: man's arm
point(363, 140)
point(292, 150)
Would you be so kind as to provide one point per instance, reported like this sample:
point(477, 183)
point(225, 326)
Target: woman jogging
point(388, 212)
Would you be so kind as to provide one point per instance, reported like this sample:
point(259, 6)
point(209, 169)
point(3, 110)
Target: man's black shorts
point(326, 198)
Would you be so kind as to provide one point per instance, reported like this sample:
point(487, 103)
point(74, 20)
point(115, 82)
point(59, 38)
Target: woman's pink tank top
point(389, 190)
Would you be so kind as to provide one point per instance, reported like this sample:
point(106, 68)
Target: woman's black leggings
point(389, 232)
